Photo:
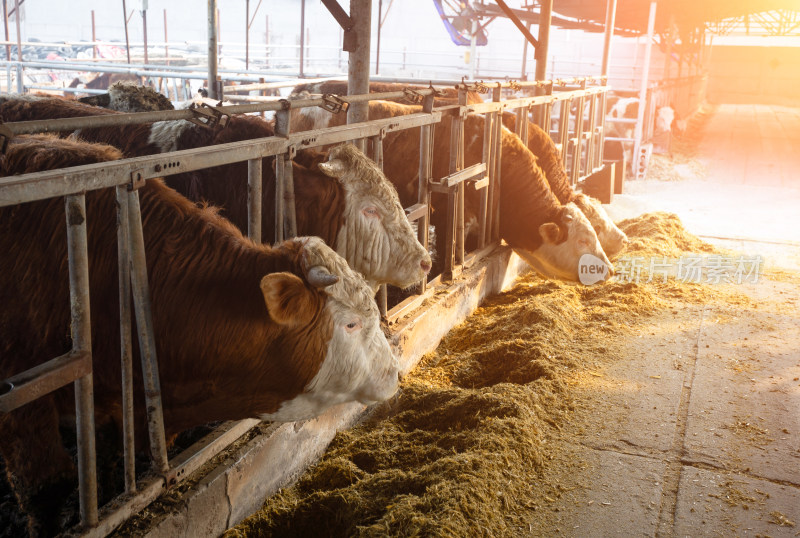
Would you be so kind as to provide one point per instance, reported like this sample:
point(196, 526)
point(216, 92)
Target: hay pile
point(660, 234)
point(459, 452)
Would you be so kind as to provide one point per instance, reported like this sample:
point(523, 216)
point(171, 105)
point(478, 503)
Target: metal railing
point(581, 150)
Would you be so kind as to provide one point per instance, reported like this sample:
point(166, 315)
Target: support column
point(544, 41)
point(358, 63)
point(611, 14)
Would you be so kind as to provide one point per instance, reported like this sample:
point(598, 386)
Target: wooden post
point(5, 24)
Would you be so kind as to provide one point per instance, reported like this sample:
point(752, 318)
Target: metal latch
point(137, 180)
point(333, 103)
point(207, 115)
point(514, 85)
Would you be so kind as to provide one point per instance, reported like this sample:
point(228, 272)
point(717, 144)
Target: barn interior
point(664, 401)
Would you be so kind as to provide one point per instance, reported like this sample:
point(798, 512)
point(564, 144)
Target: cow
point(127, 97)
point(612, 239)
point(385, 250)
point(241, 330)
point(102, 81)
point(550, 236)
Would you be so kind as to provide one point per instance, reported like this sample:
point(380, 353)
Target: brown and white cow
point(552, 237)
point(612, 239)
point(241, 330)
point(385, 251)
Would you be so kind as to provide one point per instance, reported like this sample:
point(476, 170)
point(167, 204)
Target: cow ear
point(333, 168)
point(289, 301)
point(549, 232)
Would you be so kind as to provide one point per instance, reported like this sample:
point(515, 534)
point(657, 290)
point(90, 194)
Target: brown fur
point(220, 357)
point(319, 199)
point(541, 145)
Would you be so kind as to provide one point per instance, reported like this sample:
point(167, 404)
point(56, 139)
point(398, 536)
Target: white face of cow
point(561, 258)
point(376, 238)
point(612, 239)
point(359, 364)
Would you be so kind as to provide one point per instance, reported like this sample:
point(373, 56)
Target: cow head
point(564, 243)
point(376, 237)
point(612, 239)
point(358, 365)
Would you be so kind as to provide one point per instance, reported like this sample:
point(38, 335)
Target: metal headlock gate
point(581, 151)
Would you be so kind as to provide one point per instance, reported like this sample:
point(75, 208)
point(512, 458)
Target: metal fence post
point(425, 176)
point(126, 346)
point(81, 330)
point(254, 188)
point(147, 347)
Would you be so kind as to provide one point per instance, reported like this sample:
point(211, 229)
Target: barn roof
point(632, 15)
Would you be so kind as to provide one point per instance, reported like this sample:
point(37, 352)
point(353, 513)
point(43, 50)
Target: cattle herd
point(280, 332)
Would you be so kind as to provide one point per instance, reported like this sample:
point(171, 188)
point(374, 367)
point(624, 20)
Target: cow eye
point(371, 212)
point(353, 326)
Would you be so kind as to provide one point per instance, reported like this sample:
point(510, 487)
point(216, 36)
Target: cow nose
point(426, 265)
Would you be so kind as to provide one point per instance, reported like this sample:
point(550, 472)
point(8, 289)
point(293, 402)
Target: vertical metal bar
point(94, 38)
point(20, 74)
point(302, 35)
point(498, 156)
point(279, 198)
point(254, 187)
point(212, 49)
point(247, 34)
point(459, 253)
point(5, 25)
point(81, 331)
point(19, 31)
point(425, 173)
point(563, 128)
point(166, 44)
point(643, 88)
point(127, 37)
point(577, 159)
point(147, 347)
point(358, 63)
point(126, 345)
point(285, 198)
point(377, 156)
point(378, 44)
point(489, 148)
point(611, 13)
point(590, 148)
point(144, 34)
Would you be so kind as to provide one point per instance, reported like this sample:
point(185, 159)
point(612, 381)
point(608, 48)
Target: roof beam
point(518, 23)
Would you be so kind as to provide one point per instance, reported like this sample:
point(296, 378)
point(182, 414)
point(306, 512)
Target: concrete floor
point(751, 194)
point(694, 428)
